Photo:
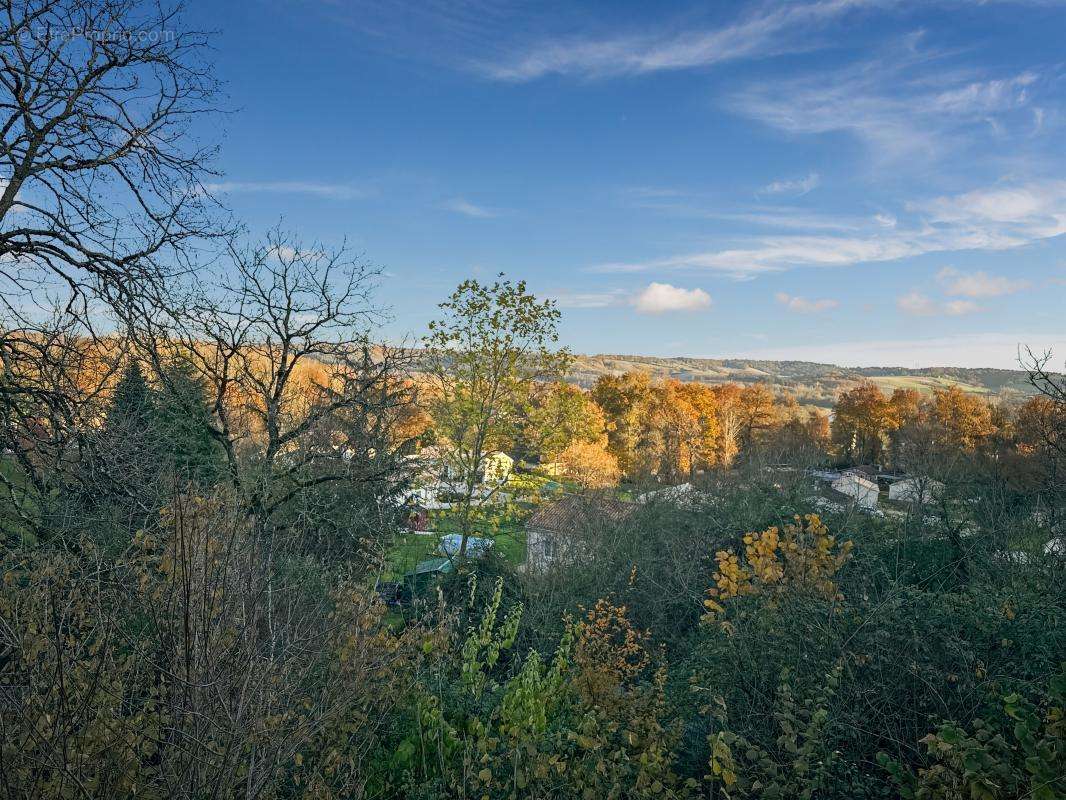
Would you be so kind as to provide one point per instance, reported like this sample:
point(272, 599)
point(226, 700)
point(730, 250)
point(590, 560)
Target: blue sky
point(848, 181)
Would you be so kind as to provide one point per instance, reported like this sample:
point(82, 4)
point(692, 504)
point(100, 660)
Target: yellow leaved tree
point(800, 557)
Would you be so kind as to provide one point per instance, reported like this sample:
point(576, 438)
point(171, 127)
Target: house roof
point(433, 565)
point(865, 470)
point(574, 510)
point(853, 477)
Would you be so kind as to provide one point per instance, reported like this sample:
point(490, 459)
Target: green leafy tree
point(492, 342)
point(556, 416)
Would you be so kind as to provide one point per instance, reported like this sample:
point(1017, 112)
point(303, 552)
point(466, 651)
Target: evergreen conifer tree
point(184, 417)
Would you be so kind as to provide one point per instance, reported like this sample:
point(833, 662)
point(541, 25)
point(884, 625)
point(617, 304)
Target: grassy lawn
point(505, 525)
point(507, 531)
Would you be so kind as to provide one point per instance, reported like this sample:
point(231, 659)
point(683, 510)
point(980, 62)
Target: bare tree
point(103, 181)
point(53, 385)
point(102, 197)
point(1053, 387)
point(300, 395)
point(1049, 427)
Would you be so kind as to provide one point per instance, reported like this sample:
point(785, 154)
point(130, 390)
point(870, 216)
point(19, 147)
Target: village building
point(861, 490)
point(496, 467)
point(558, 529)
point(915, 490)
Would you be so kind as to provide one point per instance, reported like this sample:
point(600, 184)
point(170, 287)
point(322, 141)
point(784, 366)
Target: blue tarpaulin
point(475, 546)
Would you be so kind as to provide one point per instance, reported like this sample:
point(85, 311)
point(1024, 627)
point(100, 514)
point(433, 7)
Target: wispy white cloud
point(567, 299)
point(978, 284)
point(903, 104)
point(1030, 205)
point(796, 186)
point(766, 32)
point(958, 308)
point(802, 305)
point(333, 191)
point(468, 209)
point(687, 206)
point(917, 304)
point(972, 221)
point(286, 253)
point(659, 298)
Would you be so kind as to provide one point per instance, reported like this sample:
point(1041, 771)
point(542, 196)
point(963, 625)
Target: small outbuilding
point(915, 490)
point(556, 531)
point(425, 574)
point(476, 546)
point(862, 491)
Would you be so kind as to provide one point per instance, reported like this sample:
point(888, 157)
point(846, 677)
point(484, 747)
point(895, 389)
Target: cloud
point(287, 254)
point(978, 284)
point(796, 186)
point(333, 191)
point(902, 104)
point(659, 298)
point(468, 209)
point(972, 221)
point(768, 32)
point(586, 299)
point(917, 304)
point(1030, 204)
point(957, 308)
point(801, 305)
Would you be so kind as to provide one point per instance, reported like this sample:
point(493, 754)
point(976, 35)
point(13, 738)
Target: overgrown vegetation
point(203, 483)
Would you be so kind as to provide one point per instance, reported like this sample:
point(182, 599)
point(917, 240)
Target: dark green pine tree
point(126, 463)
point(184, 421)
point(131, 409)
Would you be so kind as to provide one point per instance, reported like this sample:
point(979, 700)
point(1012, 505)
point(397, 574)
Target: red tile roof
point(573, 511)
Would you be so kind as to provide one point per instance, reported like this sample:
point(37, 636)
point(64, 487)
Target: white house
point(862, 490)
point(915, 490)
point(496, 467)
point(435, 464)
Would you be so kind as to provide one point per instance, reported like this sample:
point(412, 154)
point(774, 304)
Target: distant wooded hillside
point(809, 382)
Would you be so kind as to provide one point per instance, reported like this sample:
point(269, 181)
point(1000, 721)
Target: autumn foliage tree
point(590, 464)
point(555, 416)
point(860, 423)
point(623, 400)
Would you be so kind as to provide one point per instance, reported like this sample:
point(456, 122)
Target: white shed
point(862, 490)
point(915, 490)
